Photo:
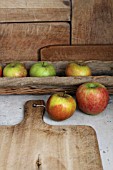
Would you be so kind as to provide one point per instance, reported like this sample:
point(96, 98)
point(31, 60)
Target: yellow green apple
point(15, 69)
point(74, 69)
point(60, 106)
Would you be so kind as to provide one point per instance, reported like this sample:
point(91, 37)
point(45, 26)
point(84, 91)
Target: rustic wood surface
point(77, 52)
point(30, 85)
point(40, 90)
point(22, 41)
point(22, 10)
point(102, 72)
point(32, 144)
point(55, 81)
point(92, 22)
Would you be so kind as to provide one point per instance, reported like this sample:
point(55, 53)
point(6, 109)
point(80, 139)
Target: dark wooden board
point(77, 52)
point(32, 144)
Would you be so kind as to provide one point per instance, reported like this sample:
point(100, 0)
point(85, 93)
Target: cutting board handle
point(33, 113)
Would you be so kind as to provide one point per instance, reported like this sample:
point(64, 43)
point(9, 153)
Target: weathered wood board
point(50, 85)
point(92, 22)
point(33, 145)
point(35, 10)
point(21, 41)
point(77, 52)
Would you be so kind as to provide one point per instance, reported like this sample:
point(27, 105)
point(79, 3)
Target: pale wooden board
point(23, 40)
point(77, 52)
point(32, 144)
point(92, 22)
point(35, 10)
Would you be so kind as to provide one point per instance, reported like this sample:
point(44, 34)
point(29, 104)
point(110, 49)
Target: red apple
point(15, 69)
point(74, 69)
point(92, 98)
point(60, 106)
point(42, 69)
point(0, 71)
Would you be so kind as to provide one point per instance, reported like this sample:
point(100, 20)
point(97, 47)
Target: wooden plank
point(32, 144)
point(92, 22)
point(39, 85)
point(50, 82)
point(77, 52)
point(42, 90)
point(23, 40)
point(22, 10)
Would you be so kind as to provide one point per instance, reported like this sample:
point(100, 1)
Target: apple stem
point(64, 93)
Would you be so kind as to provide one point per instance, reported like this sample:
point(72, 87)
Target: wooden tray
point(32, 144)
point(102, 72)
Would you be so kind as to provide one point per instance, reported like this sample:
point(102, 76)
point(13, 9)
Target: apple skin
point(0, 71)
point(74, 69)
point(15, 69)
point(92, 98)
point(42, 69)
point(60, 106)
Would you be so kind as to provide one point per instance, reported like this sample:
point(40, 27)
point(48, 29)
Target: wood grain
point(77, 52)
point(32, 144)
point(30, 85)
point(53, 81)
point(92, 22)
point(41, 89)
point(23, 40)
point(26, 11)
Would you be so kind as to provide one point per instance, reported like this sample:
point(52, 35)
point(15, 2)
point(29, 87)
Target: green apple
point(74, 69)
point(15, 69)
point(42, 69)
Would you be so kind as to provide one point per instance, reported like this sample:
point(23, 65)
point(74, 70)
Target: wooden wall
point(27, 27)
point(92, 21)
point(21, 41)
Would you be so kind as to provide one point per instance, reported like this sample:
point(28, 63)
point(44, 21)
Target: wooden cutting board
point(34, 145)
